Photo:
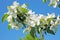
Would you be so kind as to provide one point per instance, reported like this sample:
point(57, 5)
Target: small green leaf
point(8, 7)
point(27, 4)
point(38, 30)
point(33, 32)
point(41, 20)
point(9, 26)
point(51, 4)
point(4, 17)
point(24, 10)
point(44, 1)
point(29, 37)
point(49, 20)
point(13, 19)
point(59, 5)
point(50, 31)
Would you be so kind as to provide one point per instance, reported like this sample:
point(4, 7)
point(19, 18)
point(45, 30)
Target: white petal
point(15, 3)
point(51, 22)
point(55, 5)
point(38, 22)
point(32, 23)
point(24, 6)
point(12, 7)
point(9, 18)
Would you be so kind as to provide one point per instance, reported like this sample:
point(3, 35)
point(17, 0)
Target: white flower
point(57, 0)
point(30, 12)
point(38, 22)
point(58, 19)
point(51, 15)
point(15, 3)
point(51, 22)
point(27, 29)
point(57, 22)
point(54, 3)
point(12, 7)
point(15, 11)
point(32, 23)
point(9, 18)
point(24, 6)
point(32, 15)
point(41, 16)
point(14, 25)
point(13, 14)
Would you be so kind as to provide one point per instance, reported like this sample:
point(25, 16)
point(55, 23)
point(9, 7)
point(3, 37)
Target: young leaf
point(29, 37)
point(59, 5)
point(9, 26)
point(44, 1)
point(37, 28)
point(33, 32)
point(50, 31)
point(24, 10)
point(51, 4)
point(27, 4)
point(49, 20)
point(4, 17)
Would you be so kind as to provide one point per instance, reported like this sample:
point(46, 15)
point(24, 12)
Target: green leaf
point(44, 1)
point(41, 20)
point(49, 20)
point(51, 4)
point(13, 19)
point(24, 10)
point(4, 17)
point(37, 28)
point(33, 32)
point(9, 26)
point(50, 31)
point(27, 4)
point(29, 37)
point(59, 5)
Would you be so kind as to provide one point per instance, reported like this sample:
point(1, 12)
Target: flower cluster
point(54, 3)
point(19, 15)
point(14, 13)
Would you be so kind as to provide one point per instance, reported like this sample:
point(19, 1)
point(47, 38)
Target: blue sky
point(35, 5)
